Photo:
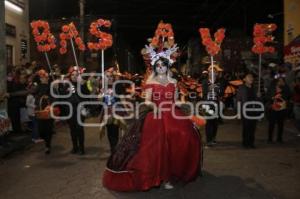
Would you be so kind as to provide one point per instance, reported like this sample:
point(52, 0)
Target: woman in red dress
point(159, 148)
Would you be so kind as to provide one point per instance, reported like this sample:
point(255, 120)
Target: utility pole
point(2, 52)
point(81, 6)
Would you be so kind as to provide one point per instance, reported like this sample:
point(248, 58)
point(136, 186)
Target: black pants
point(77, 133)
point(276, 117)
point(211, 129)
point(45, 128)
point(15, 117)
point(113, 136)
point(249, 127)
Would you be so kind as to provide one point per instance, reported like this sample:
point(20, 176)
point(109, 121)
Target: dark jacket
point(219, 89)
point(42, 96)
point(246, 94)
point(17, 93)
point(76, 97)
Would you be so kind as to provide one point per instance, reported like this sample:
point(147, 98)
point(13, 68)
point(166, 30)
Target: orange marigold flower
point(65, 28)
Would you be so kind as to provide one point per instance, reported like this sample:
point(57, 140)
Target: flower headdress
point(167, 54)
point(162, 45)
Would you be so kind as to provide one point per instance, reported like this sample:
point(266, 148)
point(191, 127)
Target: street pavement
point(271, 171)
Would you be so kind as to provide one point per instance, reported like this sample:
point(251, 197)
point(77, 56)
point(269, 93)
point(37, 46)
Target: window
point(9, 55)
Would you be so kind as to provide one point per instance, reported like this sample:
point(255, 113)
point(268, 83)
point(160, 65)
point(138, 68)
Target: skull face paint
point(161, 68)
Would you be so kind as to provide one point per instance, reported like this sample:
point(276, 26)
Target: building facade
point(17, 32)
point(292, 32)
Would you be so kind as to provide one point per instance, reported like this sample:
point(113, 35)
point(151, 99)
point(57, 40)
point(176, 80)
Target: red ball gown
point(168, 148)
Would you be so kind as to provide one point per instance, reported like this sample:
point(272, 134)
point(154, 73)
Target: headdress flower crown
point(155, 56)
point(162, 45)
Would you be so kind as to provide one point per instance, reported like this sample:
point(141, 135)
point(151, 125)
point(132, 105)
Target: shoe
point(168, 186)
point(47, 151)
point(252, 147)
point(81, 152)
point(210, 144)
point(74, 151)
point(214, 142)
point(36, 141)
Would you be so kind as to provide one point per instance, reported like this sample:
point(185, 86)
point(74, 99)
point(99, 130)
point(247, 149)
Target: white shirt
point(30, 104)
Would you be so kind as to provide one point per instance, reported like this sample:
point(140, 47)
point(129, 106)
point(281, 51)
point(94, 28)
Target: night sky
point(135, 20)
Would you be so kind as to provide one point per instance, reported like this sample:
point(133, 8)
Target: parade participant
point(42, 100)
point(245, 94)
point(77, 130)
point(148, 155)
point(212, 92)
point(278, 98)
point(17, 93)
point(31, 106)
point(113, 124)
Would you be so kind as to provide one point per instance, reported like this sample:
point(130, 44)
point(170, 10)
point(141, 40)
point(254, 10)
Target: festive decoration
point(104, 39)
point(42, 36)
point(278, 103)
point(198, 121)
point(263, 35)
point(163, 35)
point(69, 32)
point(212, 47)
point(161, 45)
point(188, 86)
point(167, 54)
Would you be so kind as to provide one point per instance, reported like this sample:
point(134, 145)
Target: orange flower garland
point(212, 47)
point(42, 36)
point(262, 35)
point(104, 39)
point(164, 30)
point(70, 32)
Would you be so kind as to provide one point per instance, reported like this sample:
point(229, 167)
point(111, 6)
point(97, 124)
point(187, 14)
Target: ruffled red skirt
point(169, 149)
